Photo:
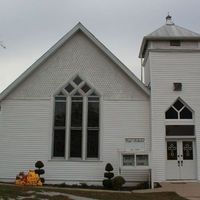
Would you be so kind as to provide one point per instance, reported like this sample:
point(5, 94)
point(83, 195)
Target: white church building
point(78, 108)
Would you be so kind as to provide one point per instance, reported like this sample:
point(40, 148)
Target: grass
point(126, 196)
point(11, 191)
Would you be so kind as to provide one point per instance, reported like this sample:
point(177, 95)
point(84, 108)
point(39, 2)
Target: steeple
point(169, 31)
point(169, 20)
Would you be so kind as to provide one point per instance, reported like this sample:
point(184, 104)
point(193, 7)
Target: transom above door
point(181, 159)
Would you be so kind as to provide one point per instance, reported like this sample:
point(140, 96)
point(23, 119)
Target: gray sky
point(28, 28)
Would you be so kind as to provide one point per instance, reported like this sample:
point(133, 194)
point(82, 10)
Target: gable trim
point(51, 51)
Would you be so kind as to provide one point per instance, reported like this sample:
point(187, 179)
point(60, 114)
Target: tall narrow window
point(59, 126)
point(76, 126)
point(76, 121)
point(93, 127)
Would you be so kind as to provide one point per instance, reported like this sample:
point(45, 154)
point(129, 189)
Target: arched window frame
point(178, 111)
point(69, 96)
point(180, 127)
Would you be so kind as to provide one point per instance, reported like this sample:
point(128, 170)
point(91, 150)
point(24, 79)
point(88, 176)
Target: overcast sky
point(28, 28)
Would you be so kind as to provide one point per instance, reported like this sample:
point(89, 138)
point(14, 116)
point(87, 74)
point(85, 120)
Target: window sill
point(72, 160)
point(183, 137)
point(135, 167)
point(179, 121)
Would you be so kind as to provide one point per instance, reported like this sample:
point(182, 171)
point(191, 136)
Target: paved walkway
point(189, 190)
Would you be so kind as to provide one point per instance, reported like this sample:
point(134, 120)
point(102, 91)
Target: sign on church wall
point(134, 144)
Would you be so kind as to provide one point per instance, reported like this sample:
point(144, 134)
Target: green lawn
point(11, 191)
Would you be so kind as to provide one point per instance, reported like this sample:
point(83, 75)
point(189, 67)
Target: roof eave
point(194, 38)
point(155, 38)
point(38, 62)
point(141, 53)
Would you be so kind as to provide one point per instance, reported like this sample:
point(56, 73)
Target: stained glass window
point(187, 150)
point(172, 150)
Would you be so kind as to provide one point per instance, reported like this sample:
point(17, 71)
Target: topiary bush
point(39, 165)
point(118, 182)
point(107, 183)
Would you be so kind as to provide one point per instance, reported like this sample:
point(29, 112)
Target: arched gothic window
point(76, 121)
point(178, 111)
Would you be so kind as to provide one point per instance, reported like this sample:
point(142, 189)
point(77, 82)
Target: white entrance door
point(181, 160)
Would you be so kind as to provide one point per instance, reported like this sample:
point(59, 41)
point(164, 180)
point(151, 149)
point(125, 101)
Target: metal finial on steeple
point(169, 20)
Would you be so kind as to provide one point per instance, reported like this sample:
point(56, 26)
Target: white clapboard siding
point(141, 175)
point(26, 138)
point(166, 44)
point(122, 120)
point(167, 68)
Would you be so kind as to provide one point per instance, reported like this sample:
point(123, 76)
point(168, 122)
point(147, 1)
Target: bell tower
point(171, 69)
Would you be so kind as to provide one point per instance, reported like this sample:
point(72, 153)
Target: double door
point(181, 160)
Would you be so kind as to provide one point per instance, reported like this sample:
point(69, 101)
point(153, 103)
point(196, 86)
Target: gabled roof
point(168, 32)
point(51, 51)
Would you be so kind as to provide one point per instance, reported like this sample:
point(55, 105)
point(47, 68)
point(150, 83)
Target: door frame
point(178, 140)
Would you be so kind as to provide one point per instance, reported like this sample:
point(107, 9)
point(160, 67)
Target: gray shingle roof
point(169, 32)
point(172, 30)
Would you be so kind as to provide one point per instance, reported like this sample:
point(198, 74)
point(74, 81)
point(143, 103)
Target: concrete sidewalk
point(189, 190)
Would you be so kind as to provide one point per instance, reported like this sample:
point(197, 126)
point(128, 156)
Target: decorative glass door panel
point(187, 150)
point(171, 150)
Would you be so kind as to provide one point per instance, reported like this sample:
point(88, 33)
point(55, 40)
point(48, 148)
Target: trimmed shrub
point(107, 183)
point(108, 175)
point(109, 167)
point(118, 182)
point(39, 165)
point(39, 171)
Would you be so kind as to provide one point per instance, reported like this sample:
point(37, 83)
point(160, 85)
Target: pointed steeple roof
point(169, 31)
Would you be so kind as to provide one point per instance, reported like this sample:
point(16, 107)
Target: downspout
point(141, 70)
